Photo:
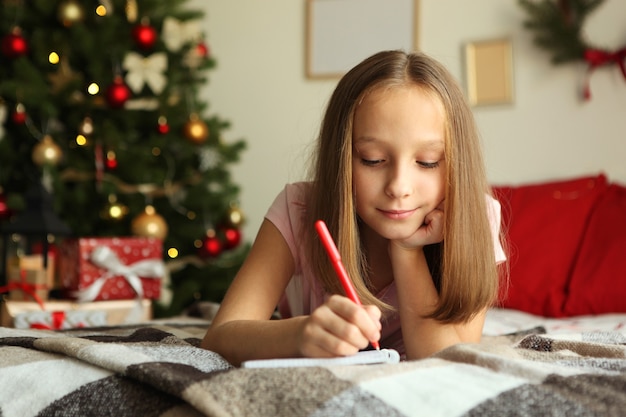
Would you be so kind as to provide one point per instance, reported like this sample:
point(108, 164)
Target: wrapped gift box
point(59, 320)
point(98, 269)
point(27, 284)
point(27, 314)
point(34, 263)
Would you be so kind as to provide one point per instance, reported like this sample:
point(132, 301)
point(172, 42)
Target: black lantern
point(35, 223)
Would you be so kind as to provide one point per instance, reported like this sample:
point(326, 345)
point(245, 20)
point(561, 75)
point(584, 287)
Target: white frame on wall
point(341, 33)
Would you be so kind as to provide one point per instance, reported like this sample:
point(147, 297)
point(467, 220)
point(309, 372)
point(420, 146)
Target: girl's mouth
point(397, 214)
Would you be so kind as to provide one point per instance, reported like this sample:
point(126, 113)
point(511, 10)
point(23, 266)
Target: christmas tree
point(99, 102)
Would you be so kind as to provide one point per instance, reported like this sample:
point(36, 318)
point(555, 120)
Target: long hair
point(463, 265)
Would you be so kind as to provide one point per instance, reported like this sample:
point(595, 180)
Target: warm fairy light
point(53, 58)
point(156, 151)
point(81, 140)
point(191, 215)
point(93, 89)
point(197, 243)
point(101, 10)
point(116, 212)
point(172, 252)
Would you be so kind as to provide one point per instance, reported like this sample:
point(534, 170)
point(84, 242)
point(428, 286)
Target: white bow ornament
point(176, 34)
point(104, 258)
point(146, 70)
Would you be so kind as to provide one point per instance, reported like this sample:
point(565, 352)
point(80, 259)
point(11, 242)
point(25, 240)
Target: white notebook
point(366, 357)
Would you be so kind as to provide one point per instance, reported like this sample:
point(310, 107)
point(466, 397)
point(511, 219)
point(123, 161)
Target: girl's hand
point(430, 232)
point(339, 327)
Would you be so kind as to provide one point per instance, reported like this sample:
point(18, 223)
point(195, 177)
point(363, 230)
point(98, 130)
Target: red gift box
point(93, 269)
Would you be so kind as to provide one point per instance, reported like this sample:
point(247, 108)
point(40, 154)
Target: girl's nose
point(399, 184)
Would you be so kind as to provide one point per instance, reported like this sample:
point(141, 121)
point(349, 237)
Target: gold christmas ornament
point(70, 12)
point(235, 216)
point(196, 130)
point(149, 224)
point(47, 152)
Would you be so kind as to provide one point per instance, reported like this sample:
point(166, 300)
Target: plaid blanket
point(159, 370)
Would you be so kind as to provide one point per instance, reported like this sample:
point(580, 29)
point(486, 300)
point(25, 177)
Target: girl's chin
point(397, 232)
point(392, 229)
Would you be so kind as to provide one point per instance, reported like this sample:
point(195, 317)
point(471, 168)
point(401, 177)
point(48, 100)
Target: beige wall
point(547, 133)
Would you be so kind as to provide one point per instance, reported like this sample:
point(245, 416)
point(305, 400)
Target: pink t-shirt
point(304, 293)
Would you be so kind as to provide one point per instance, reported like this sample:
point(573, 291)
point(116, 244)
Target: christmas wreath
point(558, 27)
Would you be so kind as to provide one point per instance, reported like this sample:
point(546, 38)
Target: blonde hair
point(463, 265)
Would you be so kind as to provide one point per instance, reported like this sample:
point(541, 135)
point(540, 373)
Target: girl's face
point(398, 168)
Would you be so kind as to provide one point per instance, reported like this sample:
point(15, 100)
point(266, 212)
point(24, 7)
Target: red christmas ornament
point(14, 44)
point(5, 211)
point(111, 160)
point(144, 35)
point(202, 50)
point(18, 116)
point(211, 246)
point(232, 238)
point(162, 127)
point(118, 93)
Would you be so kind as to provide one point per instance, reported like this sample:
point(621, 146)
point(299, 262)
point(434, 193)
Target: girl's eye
point(371, 162)
point(428, 165)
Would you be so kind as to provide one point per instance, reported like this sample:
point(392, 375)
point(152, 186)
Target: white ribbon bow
point(146, 70)
point(103, 257)
point(175, 33)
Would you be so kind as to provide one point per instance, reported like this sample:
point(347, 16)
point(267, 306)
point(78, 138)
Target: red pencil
point(335, 259)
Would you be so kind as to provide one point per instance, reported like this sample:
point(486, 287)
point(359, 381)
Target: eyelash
point(426, 165)
point(371, 163)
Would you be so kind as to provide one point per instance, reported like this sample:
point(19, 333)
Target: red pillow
point(545, 224)
point(599, 278)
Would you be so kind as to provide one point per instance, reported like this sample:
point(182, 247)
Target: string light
point(81, 140)
point(93, 89)
point(53, 58)
point(101, 10)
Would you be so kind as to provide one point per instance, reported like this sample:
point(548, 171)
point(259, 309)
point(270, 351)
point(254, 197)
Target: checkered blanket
point(159, 370)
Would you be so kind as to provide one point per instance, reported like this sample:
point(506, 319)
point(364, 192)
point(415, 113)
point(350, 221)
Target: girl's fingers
point(365, 320)
point(340, 327)
point(375, 314)
point(326, 335)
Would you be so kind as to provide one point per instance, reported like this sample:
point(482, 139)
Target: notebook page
point(365, 357)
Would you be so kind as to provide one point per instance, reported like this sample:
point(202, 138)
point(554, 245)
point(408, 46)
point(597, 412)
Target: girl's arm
point(417, 295)
point(242, 328)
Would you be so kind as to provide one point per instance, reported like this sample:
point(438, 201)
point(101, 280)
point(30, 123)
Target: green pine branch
point(558, 26)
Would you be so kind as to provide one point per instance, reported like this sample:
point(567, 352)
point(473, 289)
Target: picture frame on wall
point(341, 33)
point(489, 72)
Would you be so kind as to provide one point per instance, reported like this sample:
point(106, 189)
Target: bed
point(556, 346)
point(526, 365)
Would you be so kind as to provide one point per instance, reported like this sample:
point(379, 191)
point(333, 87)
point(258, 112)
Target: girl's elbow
point(206, 341)
point(210, 339)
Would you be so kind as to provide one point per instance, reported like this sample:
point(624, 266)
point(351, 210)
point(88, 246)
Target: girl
point(399, 179)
